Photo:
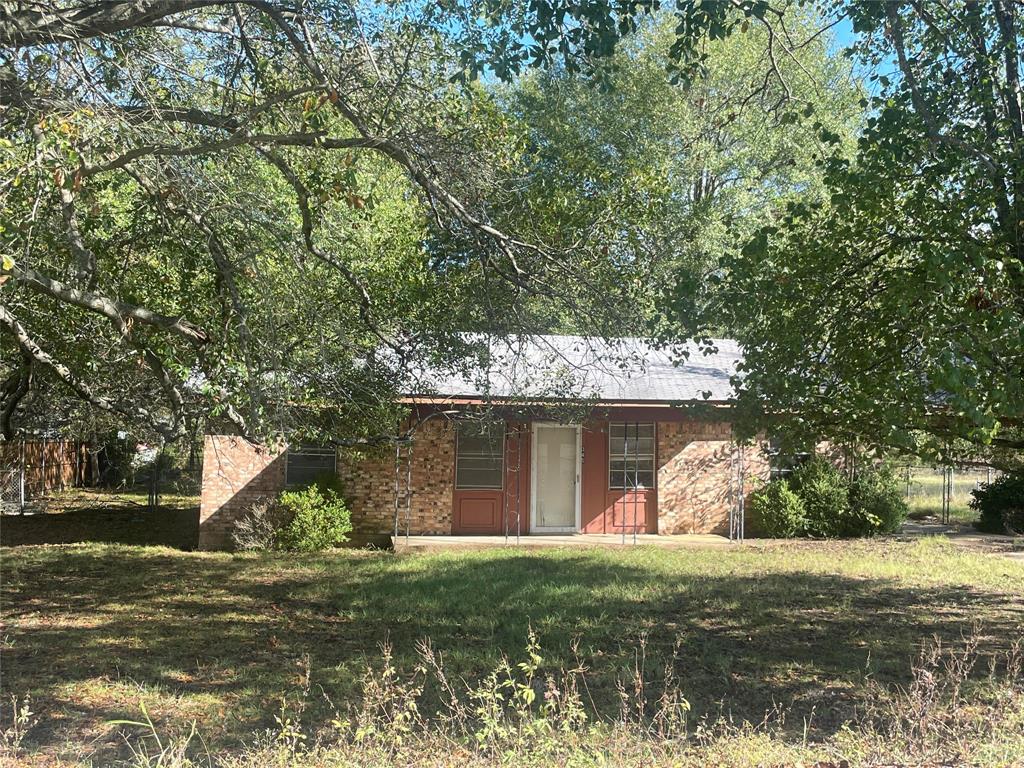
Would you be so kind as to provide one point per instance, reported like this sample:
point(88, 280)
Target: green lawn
point(925, 495)
point(105, 498)
point(928, 509)
point(92, 631)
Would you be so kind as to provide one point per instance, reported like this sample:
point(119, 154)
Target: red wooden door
point(477, 511)
point(607, 509)
point(482, 511)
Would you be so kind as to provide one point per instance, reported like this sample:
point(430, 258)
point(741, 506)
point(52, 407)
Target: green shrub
point(777, 511)
point(824, 492)
point(876, 502)
point(316, 519)
point(329, 482)
point(819, 500)
point(1001, 504)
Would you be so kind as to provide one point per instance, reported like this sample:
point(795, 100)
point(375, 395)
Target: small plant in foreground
point(22, 720)
point(525, 714)
point(947, 711)
point(153, 751)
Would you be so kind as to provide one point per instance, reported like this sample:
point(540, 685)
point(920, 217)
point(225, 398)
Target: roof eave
point(470, 400)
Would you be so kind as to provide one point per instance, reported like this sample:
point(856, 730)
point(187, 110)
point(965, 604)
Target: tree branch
point(86, 260)
point(30, 348)
point(218, 253)
point(39, 23)
point(920, 106)
point(101, 305)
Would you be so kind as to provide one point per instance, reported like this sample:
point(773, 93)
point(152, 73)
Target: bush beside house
point(1001, 504)
point(777, 511)
point(818, 500)
point(825, 494)
point(304, 520)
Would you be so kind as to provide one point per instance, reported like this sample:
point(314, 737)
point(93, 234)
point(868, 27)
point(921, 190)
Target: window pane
point(642, 446)
point(477, 477)
point(641, 477)
point(480, 462)
point(480, 438)
point(306, 463)
point(478, 445)
point(631, 455)
point(479, 455)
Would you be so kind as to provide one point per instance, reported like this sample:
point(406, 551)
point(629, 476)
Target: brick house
point(556, 434)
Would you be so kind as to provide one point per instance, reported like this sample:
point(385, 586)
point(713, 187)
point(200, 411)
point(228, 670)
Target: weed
point(22, 720)
point(523, 714)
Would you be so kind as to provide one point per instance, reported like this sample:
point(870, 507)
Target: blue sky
point(844, 32)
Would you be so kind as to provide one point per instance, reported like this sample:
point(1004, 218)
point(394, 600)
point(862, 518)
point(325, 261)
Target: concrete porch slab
point(465, 543)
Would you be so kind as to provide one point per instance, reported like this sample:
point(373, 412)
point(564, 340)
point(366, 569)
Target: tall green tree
point(892, 312)
point(671, 176)
point(233, 208)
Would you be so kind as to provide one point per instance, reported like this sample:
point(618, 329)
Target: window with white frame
point(783, 462)
point(479, 455)
point(630, 455)
point(305, 463)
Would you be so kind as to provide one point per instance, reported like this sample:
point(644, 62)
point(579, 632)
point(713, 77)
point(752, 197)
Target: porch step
point(467, 543)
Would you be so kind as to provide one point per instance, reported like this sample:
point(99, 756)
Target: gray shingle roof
point(580, 367)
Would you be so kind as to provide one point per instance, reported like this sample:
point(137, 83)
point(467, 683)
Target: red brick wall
point(694, 471)
point(370, 484)
point(235, 474)
point(693, 463)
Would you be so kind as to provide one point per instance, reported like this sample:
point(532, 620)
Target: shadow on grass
point(93, 631)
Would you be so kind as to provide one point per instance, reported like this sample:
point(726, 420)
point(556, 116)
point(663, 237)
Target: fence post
point(947, 493)
point(23, 477)
point(42, 468)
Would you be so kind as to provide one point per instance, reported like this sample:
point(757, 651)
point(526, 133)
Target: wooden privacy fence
point(43, 465)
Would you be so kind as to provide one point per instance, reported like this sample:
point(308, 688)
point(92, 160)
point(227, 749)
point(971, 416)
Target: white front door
point(556, 474)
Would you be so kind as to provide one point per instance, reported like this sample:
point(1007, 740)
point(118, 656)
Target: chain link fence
point(12, 491)
point(32, 469)
point(944, 492)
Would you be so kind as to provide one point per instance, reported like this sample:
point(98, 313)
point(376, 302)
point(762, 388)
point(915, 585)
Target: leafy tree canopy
point(671, 177)
point(891, 313)
point(883, 307)
point(236, 208)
